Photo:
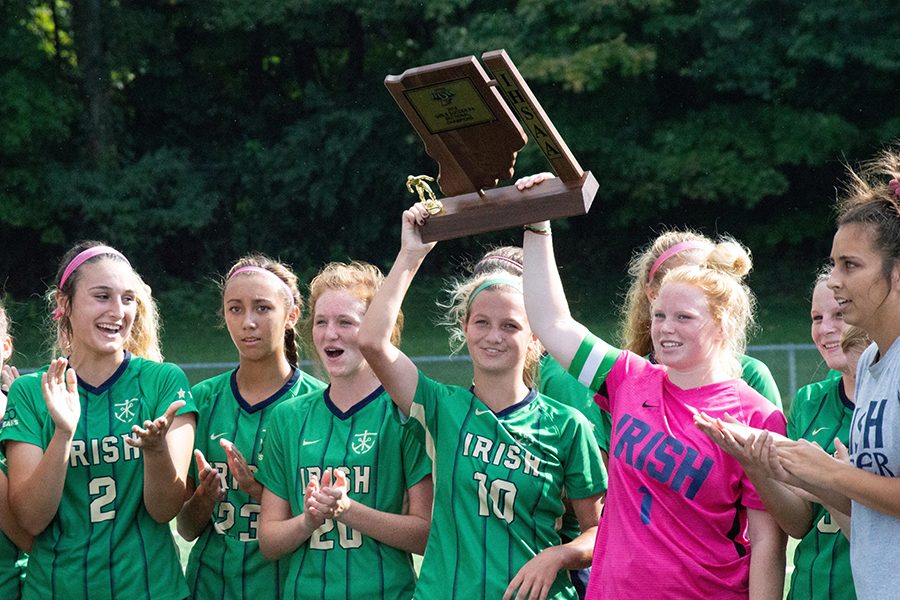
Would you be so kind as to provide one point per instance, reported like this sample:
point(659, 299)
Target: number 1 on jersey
point(646, 504)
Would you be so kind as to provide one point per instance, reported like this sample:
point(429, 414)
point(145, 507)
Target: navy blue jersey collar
point(109, 382)
point(842, 393)
point(252, 408)
point(531, 395)
point(353, 409)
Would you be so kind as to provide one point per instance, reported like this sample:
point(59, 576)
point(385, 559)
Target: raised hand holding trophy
point(468, 124)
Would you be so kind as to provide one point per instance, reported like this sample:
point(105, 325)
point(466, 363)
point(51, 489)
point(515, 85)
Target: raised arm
point(545, 300)
point(394, 369)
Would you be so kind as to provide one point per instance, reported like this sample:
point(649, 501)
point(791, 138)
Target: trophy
point(472, 125)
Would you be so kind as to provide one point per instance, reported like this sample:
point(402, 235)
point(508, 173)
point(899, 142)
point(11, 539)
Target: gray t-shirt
point(875, 447)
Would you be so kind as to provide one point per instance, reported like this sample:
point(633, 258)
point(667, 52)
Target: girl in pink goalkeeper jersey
point(680, 512)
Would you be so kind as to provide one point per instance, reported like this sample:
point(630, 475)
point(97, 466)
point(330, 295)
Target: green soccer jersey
point(102, 543)
point(558, 384)
point(382, 459)
point(757, 375)
point(820, 413)
point(12, 560)
point(225, 562)
point(499, 484)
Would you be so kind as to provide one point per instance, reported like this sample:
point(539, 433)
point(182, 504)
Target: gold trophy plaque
point(474, 126)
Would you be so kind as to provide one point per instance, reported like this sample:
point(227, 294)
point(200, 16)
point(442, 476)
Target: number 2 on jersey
point(106, 488)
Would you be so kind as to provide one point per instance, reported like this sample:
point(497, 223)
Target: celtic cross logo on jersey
point(364, 441)
point(124, 412)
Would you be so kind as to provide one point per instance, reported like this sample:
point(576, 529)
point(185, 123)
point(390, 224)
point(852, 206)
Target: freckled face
point(683, 331)
point(337, 316)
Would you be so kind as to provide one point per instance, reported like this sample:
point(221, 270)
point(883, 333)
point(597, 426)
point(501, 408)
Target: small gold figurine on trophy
point(420, 184)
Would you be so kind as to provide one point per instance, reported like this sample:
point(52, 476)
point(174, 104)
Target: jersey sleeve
point(584, 472)
point(173, 385)
point(270, 462)
point(426, 406)
point(24, 419)
point(200, 396)
point(757, 375)
point(593, 361)
point(416, 464)
point(776, 422)
point(795, 425)
point(557, 383)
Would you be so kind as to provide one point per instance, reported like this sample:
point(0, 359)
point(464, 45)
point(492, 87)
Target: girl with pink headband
point(261, 306)
point(682, 519)
point(98, 443)
point(672, 248)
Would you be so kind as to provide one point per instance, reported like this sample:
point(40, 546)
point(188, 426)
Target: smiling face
point(685, 335)
point(257, 315)
point(335, 328)
point(827, 325)
point(497, 331)
point(858, 281)
point(104, 304)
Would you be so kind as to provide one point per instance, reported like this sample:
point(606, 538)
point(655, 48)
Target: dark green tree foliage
point(188, 133)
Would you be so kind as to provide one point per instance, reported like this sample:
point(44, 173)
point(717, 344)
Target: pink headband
point(895, 186)
point(515, 263)
point(680, 247)
point(255, 269)
point(81, 258)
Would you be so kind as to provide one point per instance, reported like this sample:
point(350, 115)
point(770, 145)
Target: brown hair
point(143, 339)
point(503, 258)
point(854, 338)
point(284, 273)
point(870, 200)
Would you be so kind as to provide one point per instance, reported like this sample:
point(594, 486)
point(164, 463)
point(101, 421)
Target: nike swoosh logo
point(479, 412)
point(645, 405)
point(216, 436)
point(815, 431)
point(310, 442)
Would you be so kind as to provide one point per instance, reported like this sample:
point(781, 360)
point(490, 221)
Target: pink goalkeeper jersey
point(675, 523)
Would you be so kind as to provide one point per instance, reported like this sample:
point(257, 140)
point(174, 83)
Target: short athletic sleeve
point(759, 377)
point(593, 361)
point(416, 464)
point(270, 463)
point(426, 403)
point(776, 422)
point(24, 420)
point(173, 385)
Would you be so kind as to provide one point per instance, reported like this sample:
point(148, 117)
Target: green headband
point(513, 283)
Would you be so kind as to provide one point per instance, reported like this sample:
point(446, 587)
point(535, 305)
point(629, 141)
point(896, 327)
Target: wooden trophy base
point(502, 208)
